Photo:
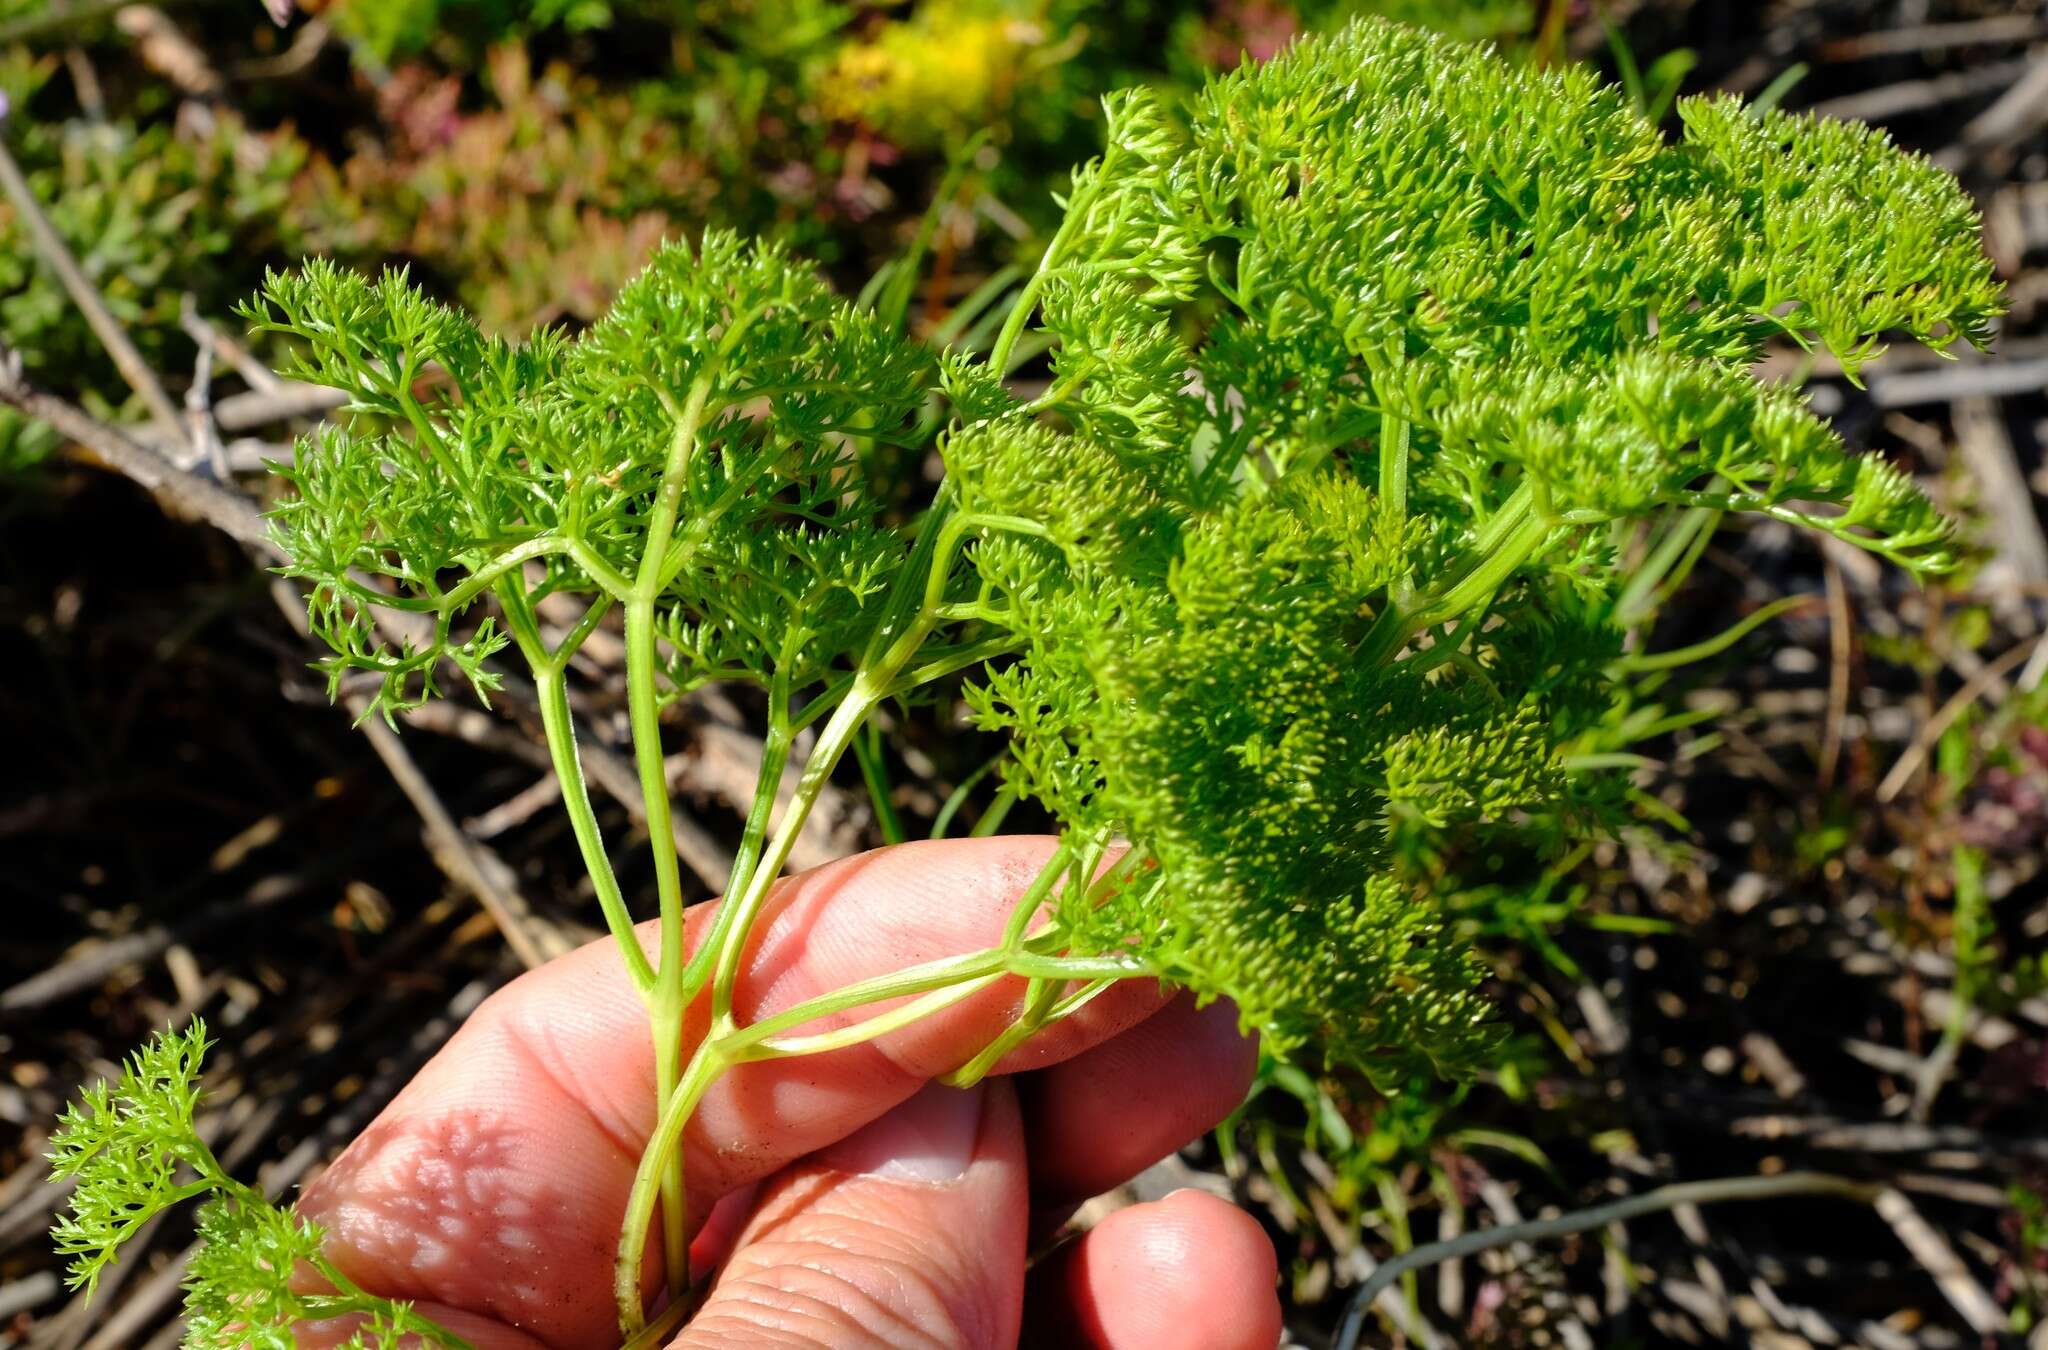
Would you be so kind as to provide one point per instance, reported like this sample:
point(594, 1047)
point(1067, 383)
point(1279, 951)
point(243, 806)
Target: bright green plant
point(1360, 374)
point(134, 1149)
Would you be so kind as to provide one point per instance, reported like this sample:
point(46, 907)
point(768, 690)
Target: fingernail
point(929, 1138)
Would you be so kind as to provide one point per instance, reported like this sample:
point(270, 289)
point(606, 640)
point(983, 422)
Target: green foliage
point(1443, 325)
point(133, 1150)
point(1302, 574)
point(553, 453)
point(1243, 657)
point(124, 1145)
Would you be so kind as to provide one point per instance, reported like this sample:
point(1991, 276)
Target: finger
point(497, 1181)
point(1190, 1270)
point(910, 1233)
point(1098, 1119)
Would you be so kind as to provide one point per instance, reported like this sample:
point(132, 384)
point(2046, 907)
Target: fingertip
point(1189, 1270)
point(1098, 1119)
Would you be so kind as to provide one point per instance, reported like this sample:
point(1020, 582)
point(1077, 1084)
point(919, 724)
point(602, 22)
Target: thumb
point(909, 1232)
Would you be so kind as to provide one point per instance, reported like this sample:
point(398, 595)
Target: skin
point(843, 1200)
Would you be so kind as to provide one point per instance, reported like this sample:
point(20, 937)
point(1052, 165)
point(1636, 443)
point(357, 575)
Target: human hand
point(850, 1202)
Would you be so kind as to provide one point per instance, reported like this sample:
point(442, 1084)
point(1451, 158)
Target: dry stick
point(1932, 37)
point(133, 368)
point(282, 401)
point(200, 426)
point(2037, 669)
point(1841, 636)
point(1944, 384)
point(260, 378)
point(2008, 501)
point(305, 49)
point(165, 48)
point(172, 1335)
point(473, 865)
point(1579, 1221)
point(1932, 1251)
point(21, 1295)
point(515, 810)
point(186, 495)
point(1911, 96)
point(1915, 754)
point(473, 726)
point(2019, 112)
point(1849, 1136)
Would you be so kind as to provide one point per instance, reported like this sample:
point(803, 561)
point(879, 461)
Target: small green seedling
point(1363, 367)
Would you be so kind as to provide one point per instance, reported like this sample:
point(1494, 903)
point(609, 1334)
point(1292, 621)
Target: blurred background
point(1821, 948)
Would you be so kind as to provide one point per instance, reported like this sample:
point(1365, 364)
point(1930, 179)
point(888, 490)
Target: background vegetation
point(1821, 946)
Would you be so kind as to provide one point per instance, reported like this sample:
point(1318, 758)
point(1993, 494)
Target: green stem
point(873, 682)
point(1713, 646)
point(430, 435)
point(674, 479)
point(946, 661)
point(665, 1003)
point(1638, 597)
point(662, 1158)
point(833, 741)
point(874, 771)
point(767, 789)
point(953, 991)
point(918, 979)
point(1516, 532)
point(487, 576)
point(643, 703)
point(957, 798)
point(991, 820)
point(1394, 484)
point(753, 835)
point(353, 1299)
point(1076, 967)
point(611, 578)
point(679, 1088)
point(1039, 997)
point(1027, 299)
point(573, 640)
point(555, 720)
